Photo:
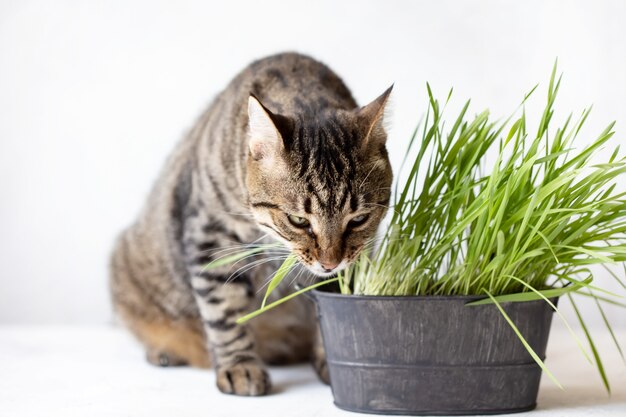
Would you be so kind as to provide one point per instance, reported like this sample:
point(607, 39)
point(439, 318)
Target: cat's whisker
point(245, 268)
point(249, 256)
point(232, 251)
point(301, 270)
point(245, 258)
point(265, 259)
point(218, 254)
point(366, 177)
point(241, 247)
point(311, 280)
point(298, 273)
point(268, 280)
point(232, 213)
point(295, 270)
point(386, 207)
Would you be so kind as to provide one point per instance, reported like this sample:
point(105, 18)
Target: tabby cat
point(282, 154)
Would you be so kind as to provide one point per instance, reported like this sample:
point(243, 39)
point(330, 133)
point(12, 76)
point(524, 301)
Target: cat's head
point(321, 184)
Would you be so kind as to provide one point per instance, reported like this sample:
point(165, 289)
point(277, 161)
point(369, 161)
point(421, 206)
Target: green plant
point(541, 216)
point(529, 229)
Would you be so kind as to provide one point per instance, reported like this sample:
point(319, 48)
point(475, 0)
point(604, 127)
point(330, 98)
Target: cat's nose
point(329, 266)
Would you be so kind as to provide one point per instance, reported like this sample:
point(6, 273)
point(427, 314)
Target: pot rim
point(327, 294)
point(467, 298)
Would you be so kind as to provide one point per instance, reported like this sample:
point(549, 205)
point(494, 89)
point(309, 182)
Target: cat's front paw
point(248, 379)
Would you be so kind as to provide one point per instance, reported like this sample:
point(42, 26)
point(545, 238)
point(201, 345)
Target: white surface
point(100, 371)
point(94, 94)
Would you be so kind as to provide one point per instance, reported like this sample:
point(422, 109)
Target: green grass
point(544, 213)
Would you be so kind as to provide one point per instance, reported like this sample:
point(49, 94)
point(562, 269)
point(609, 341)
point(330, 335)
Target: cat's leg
point(221, 299)
point(168, 341)
point(318, 358)
point(238, 367)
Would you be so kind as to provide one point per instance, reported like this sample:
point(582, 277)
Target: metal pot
point(431, 355)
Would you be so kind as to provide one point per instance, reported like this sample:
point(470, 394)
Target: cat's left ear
point(371, 119)
point(267, 131)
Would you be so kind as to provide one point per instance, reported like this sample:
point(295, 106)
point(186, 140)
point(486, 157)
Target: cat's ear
point(371, 118)
point(267, 131)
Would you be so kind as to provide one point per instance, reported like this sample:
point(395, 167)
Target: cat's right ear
point(371, 119)
point(265, 140)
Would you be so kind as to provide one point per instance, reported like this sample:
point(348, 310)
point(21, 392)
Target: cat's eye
point(358, 220)
point(298, 221)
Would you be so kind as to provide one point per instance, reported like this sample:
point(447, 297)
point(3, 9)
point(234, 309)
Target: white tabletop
point(100, 371)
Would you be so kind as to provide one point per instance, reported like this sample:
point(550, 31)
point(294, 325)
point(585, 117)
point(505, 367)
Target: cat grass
point(544, 213)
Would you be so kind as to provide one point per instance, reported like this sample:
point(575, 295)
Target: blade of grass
point(278, 277)
point(276, 303)
point(592, 345)
point(609, 328)
point(530, 350)
point(532, 296)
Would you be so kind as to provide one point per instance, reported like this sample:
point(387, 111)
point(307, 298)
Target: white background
point(93, 96)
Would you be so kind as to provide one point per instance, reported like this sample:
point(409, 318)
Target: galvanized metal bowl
point(431, 355)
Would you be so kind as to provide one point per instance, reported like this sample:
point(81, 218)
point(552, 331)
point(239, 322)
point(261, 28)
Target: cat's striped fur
point(306, 151)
